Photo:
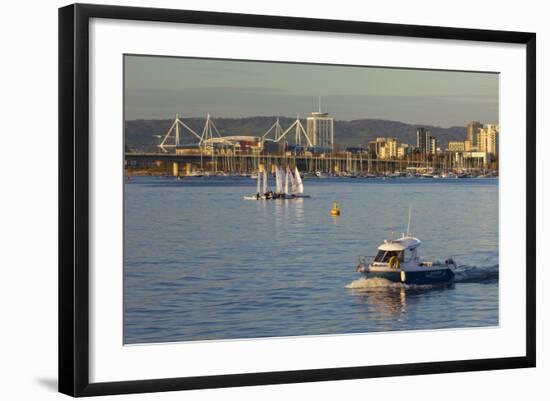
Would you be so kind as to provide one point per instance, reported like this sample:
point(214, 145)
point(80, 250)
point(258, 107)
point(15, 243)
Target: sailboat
point(279, 189)
point(288, 185)
point(297, 185)
point(261, 188)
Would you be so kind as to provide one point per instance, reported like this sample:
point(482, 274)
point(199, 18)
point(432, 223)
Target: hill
point(140, 133)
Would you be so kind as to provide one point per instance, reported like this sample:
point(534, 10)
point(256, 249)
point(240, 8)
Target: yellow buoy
point(335, 211)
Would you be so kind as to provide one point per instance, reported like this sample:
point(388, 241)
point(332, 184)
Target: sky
point(161, 87)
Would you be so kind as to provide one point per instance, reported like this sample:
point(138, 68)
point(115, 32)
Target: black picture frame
point(74, 198)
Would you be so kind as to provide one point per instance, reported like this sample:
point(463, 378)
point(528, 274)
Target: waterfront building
point(422, 140)
point(384, 154)
point(475, 159)
point(467, 145)
point(472, 130)
point(379, 146)
point(456, 146)
point(188, 150)
point(386, 148)
point(404, 150)
point(391, 148)
point(487, 139)
point(355, 150)
point(233, 144)
point(320, 130)
point(372, 148)
point(426, 143)
point(433, 145)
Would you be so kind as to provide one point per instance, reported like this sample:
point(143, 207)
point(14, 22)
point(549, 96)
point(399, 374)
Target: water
point(201, 263)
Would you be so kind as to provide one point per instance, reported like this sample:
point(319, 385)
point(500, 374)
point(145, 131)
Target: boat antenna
point(409, 222)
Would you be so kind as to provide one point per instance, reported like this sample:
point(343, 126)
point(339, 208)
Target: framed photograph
point(251, 199)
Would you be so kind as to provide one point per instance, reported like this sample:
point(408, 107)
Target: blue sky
point(160, 87)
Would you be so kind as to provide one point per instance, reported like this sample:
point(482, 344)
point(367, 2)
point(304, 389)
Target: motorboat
point(397, 261)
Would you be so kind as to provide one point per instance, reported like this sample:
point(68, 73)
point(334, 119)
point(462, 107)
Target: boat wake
point(475, 274)
point(463, 274)
point(376, 283)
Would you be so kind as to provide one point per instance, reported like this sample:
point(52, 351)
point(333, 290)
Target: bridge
point(213, 152)
point(249, 163)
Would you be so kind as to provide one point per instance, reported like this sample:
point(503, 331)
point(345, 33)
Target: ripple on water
point(200, 263)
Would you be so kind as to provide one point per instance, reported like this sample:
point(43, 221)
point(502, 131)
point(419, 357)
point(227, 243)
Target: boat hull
point(428, 277)
point(276, 197)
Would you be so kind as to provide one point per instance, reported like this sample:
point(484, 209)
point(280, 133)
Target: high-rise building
point(380, 147)
point(472, 130)
point(492, 138)
point(423, 140)
point(391, 146)
point(383, 154)
point(320, 130)
point(425, 143)
point(433, 145)
point(487, 139)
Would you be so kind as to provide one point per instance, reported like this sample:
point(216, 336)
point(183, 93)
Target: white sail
point(299, 183)
point(265, 181)
point(294, 187)
point(286, 181)
point(278, 180)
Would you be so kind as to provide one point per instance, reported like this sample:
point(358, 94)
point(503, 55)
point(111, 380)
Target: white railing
point(363, 259)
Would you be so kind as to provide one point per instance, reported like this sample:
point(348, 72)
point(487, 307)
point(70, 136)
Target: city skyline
point(160, 87)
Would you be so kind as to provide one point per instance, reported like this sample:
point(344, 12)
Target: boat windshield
point(384, 256)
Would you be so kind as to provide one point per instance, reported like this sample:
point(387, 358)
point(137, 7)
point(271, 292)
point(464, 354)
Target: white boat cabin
point(404, 249)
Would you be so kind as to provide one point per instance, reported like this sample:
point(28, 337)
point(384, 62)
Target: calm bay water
point(201, 263)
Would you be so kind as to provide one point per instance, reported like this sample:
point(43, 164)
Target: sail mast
point(409, 222)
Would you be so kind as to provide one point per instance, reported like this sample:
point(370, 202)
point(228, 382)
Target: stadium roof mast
point(174, 132)
point(279, 134)
point(172, 137)
point(298, 124)
point(278, 131)
point(208, 131)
